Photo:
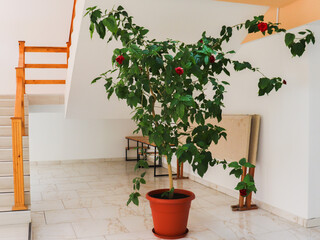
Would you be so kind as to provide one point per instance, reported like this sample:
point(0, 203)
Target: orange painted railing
point(18, 121)
point(71, 28)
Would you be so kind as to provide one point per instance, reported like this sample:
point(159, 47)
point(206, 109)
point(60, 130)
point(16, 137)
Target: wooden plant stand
point(179, 172)
point(245, 203)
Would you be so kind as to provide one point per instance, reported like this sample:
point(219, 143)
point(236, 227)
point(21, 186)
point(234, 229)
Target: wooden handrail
point(71, 29)
point(18, 121)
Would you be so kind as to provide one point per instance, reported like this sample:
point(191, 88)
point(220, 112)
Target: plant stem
point(170, 176)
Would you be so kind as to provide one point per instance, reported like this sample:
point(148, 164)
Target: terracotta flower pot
point(170, 216)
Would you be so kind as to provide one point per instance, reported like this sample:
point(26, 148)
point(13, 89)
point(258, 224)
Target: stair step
point(6, 168)
point(15, 217)
point(6, 154)
point(6, 142)
point(7, 96)
point(6, 121)
point(6, 184)
point(6, 111)
point(7, 102)
point(6, 131)
point(7, 200)
point(9, 111)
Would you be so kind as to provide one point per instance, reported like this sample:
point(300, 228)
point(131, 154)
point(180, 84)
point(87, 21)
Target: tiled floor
point(88, 201)
point(14, 232)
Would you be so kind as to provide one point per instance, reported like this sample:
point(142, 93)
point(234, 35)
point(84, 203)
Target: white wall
point(171, 19)
point(314, 137)
point(39, 23)
point(54, 138)
point(284, 178)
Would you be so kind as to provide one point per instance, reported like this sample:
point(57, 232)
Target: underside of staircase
point(7, 216)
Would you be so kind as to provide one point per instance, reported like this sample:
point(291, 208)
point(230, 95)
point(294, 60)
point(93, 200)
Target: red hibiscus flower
point(212, 59)
point(243, 192)
point(120, 59)
point(201, 41)
point(179, 70)
point(263, 26)
point(284, 82)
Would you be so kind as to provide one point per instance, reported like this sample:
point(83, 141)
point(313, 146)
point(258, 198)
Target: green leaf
point(111, 24)
point(129, 201)
point(289, 38)
point(242, 161)
point(298, 49)
point(206, 60)
point(202, 168)
point(247, 179)
point(144, 31)
point(263, 83)
point(91, 29)
point(237, 172)
point(143, 174)
point(143, 181)
point(135, 200)
point(234, 165)
point(120, 8)
point(168, 57)
point(180, 110)
point(96, 79)
point(241, 185)
point(249, 165)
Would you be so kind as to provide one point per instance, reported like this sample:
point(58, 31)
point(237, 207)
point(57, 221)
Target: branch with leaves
point(174, 76)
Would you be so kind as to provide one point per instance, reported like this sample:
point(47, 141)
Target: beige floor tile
point(83, 203)
point(14, 232)
point(146, 235)
point(137, 223)
point(67, 215)
point(96, 228)
point(72, 186)
point(92, 238)
point(60, 231)
point(46, 205)
point(56, 195)
point(37, 218)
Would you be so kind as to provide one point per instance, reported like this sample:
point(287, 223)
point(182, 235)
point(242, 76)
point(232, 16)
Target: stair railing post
point(18, 175)
point(19, 105)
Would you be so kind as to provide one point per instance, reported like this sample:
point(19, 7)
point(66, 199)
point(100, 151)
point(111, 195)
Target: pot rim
point(190, 197)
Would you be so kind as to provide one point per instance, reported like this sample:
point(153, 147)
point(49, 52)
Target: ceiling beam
point(270, 3)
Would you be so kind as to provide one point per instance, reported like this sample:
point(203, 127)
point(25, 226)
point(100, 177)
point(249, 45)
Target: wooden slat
point(45, 81)
point(46, 65)
point(17, 152)
point(21, 54)
point(46, 49)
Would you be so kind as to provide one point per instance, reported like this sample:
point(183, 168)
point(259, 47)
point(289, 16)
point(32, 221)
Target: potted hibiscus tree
point(164, 83)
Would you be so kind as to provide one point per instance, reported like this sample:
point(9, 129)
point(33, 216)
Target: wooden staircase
point(14, 147)
point(7, 104)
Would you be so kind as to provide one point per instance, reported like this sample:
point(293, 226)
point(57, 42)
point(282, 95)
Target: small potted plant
point(164, 83)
